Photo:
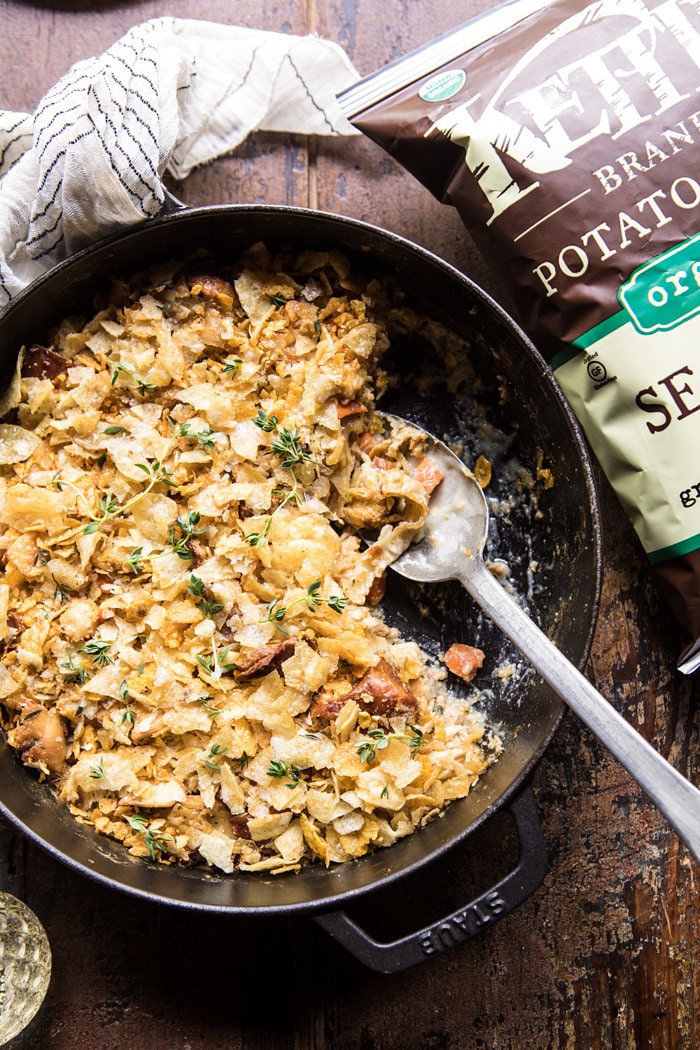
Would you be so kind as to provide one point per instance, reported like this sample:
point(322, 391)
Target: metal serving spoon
point(450, 547)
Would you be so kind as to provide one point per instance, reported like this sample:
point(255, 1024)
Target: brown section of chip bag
point(567, 136)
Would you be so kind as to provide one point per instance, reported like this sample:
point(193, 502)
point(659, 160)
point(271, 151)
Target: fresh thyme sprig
point(154, 839)
point(97, 771)
point(215, 751)
point(206, 438)
point(59, 595)
point(135, 560)
point(205, 701)
point(76, 675)
point(118, 368)
point(123, 367)
point(279, 769)
point(256, 539)
point(241, 762)
point(137, 821)
point(197, 589)
point(109, 505)
point(379, 740)
point(216, 665)
point(286, 445)
point(186, 527)
point(98, 649)
point(128, 714)
point(276, 613)
point(231, 366)
point(266, 423)
point(156, 472)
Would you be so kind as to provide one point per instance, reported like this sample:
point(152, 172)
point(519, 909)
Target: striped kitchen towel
point(169, 95)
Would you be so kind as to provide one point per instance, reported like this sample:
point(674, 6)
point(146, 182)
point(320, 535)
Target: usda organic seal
point(443, 86)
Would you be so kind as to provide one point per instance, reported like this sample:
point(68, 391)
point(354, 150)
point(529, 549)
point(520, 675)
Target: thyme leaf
point(76, 675)
point(215, 751)
point(97, 771)
point(206, 438)
point(98, 650)
point(197, 589)
point(205, 701)
point(155, 840)
point(276, 613)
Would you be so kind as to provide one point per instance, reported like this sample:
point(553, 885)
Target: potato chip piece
point(155, 515)
point(256, 303)
point(348, 824)
point(376, 789)
point(216, 406)
point(291, 843)
point(8, 685)
point(246, 440)
point(16, 444)
point(12, 395)
point(232, 793)
point(217, 850)
point(396, 761)
point(23, 554)
point(268, 827)
point(92, 391)
point(160, 796)
point(306, 670)
point(325, 806)
point(40, 397)
point(314, 840)
point(26, 507)
point(65, 575)
point(100, 772)
point(306, 750)
point(30, 648)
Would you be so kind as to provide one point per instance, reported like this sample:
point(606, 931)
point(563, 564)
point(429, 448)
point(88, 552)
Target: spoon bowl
point(457, 522)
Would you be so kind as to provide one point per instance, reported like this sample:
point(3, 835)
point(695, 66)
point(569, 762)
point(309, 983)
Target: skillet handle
point(456, 928)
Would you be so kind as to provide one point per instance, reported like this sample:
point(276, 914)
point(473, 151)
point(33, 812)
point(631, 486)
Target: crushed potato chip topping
point(188, 648)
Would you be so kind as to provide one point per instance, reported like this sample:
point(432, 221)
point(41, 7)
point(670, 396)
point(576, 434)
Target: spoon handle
point(675, 796)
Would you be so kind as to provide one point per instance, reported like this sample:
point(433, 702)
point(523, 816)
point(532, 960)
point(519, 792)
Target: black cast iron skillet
point(551, 538)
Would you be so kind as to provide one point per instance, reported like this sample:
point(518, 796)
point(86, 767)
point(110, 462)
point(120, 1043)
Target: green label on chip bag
point(664, 292)
point(443, 86)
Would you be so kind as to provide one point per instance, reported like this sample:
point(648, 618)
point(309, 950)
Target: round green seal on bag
point(443, 86)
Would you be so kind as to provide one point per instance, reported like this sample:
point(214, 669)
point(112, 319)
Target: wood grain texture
point(606, 955)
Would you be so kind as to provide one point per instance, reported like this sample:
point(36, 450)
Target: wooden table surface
point(605, 954)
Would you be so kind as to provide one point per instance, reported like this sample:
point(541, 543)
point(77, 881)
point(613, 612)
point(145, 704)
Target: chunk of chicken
point(266, 657)
point(464, 660)
point(40, 739)
point(380, 691)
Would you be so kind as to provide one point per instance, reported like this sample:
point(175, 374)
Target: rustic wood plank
point(607, 953)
